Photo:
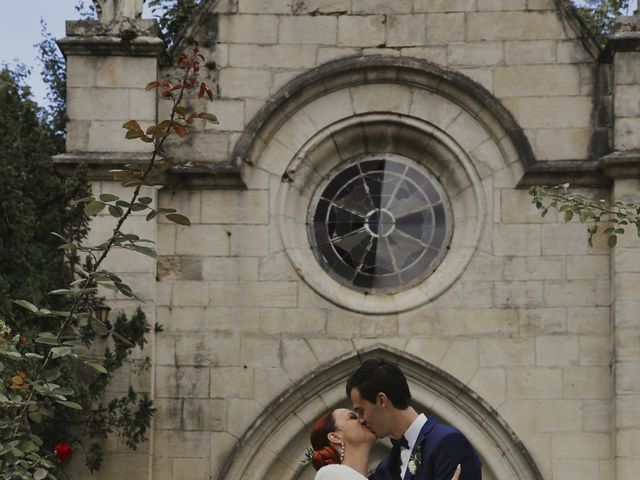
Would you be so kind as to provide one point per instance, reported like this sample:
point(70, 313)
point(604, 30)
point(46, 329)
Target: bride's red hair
point(323, 452)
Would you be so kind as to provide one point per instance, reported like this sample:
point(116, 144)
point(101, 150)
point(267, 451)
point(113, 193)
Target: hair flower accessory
point(308, 456)
point(415, 460)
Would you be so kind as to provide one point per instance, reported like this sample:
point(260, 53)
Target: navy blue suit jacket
point(442, 448)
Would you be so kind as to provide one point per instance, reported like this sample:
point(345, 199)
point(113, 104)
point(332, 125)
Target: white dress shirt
point(411, 435)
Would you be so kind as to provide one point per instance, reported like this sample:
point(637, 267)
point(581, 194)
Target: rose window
point(381, 223)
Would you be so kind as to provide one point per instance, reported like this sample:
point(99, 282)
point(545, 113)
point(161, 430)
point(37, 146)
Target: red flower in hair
point(63, 451)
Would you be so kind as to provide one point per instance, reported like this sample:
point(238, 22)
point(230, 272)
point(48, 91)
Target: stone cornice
point(626, 37)
point(107, 45)
point(187, 174)
point(126, 38)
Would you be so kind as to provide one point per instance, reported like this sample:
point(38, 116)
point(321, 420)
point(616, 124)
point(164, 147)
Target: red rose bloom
point(63, 451)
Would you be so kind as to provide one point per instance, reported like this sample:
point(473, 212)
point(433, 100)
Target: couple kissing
point(423, 449)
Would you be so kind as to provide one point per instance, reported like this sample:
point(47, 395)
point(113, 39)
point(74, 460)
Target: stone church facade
point(365, 195)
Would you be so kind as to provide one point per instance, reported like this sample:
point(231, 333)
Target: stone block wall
point(528, 325)
point(526, 53)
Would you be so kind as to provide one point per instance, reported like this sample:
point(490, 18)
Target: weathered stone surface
point(363, 31)
point(481, 53)
point(567, 112)
point(245, 83)
point(274, 56)
point(265, 6)
point(248, 29)
point(513, 26)
point(225, 206)
point(406, 30)
point(537, 80)
point(319, 30)
point(562, 143)
point(530, 52)
point(443, 5)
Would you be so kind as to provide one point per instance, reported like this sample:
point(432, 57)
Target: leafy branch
point(20, 451)
point(619, 215)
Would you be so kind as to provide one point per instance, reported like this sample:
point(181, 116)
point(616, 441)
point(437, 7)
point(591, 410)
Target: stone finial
point(110, 11)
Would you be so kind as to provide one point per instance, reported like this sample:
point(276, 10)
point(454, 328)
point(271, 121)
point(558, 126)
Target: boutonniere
point(415, 460)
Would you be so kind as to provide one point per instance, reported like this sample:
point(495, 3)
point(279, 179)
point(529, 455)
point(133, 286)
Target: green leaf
point(40, 474)
point(52, 375)
point(151, 215)
point(138, 207)
point(33, 355)
point(47, 338)
point(73, 405)
point(150, 252)
point(93, 208)
point(57, 352)
point(167, 210)
point(612, 241)
point(179, 219)
point(96, 366)
point(61, 291)
point(35, 417)
point(568, 215)
point(209, 117)
point(29, 447)
point(28, 305)
point(145, 200)
point(107, 197)
point(115, 211)
point(99, 327)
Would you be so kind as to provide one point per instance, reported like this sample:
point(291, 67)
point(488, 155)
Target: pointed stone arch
point(273, 446)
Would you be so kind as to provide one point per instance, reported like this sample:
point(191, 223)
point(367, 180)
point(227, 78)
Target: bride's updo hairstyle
point(323, 452)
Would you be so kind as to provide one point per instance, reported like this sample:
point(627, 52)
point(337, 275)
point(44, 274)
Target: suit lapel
point(421, 441)
point(390, 465)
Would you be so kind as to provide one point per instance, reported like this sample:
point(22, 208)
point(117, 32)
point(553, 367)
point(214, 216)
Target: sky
point(20, 31)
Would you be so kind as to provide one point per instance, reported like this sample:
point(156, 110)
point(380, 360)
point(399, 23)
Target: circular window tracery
point(380, 223)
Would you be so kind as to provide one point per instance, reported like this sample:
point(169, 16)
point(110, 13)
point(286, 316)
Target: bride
point(341, 445)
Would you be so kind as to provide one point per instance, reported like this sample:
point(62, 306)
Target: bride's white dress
point(338, 472)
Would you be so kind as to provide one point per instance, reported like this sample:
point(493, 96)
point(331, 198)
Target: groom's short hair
point(379, 375)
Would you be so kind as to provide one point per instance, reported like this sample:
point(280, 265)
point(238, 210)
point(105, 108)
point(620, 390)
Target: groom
point(423, 449)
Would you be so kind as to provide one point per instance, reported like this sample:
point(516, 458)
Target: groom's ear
point(381, 399)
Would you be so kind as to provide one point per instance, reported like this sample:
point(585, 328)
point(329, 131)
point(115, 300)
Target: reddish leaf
point(152, 129)
point(210, 94)
point(132, 125)
point(146, 139)
point(177, 86)
point(202, 90)
point(152, 85)
point(180, 129)
point(134, 134)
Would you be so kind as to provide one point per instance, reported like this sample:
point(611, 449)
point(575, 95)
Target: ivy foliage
point(599, 15)
point(173, 16)
point(34, 202)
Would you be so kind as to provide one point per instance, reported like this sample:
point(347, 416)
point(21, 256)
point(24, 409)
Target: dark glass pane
point(375, 226)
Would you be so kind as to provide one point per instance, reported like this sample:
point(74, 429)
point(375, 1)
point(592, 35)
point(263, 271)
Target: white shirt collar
point(414, 430)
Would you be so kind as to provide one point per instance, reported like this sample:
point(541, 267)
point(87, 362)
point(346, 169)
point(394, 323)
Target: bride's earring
point(341, 451)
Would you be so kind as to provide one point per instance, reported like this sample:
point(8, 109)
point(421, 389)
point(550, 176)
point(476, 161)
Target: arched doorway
point(274, 445)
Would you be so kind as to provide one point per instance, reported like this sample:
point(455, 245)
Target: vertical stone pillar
point(623, 166)
point(108, 65)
